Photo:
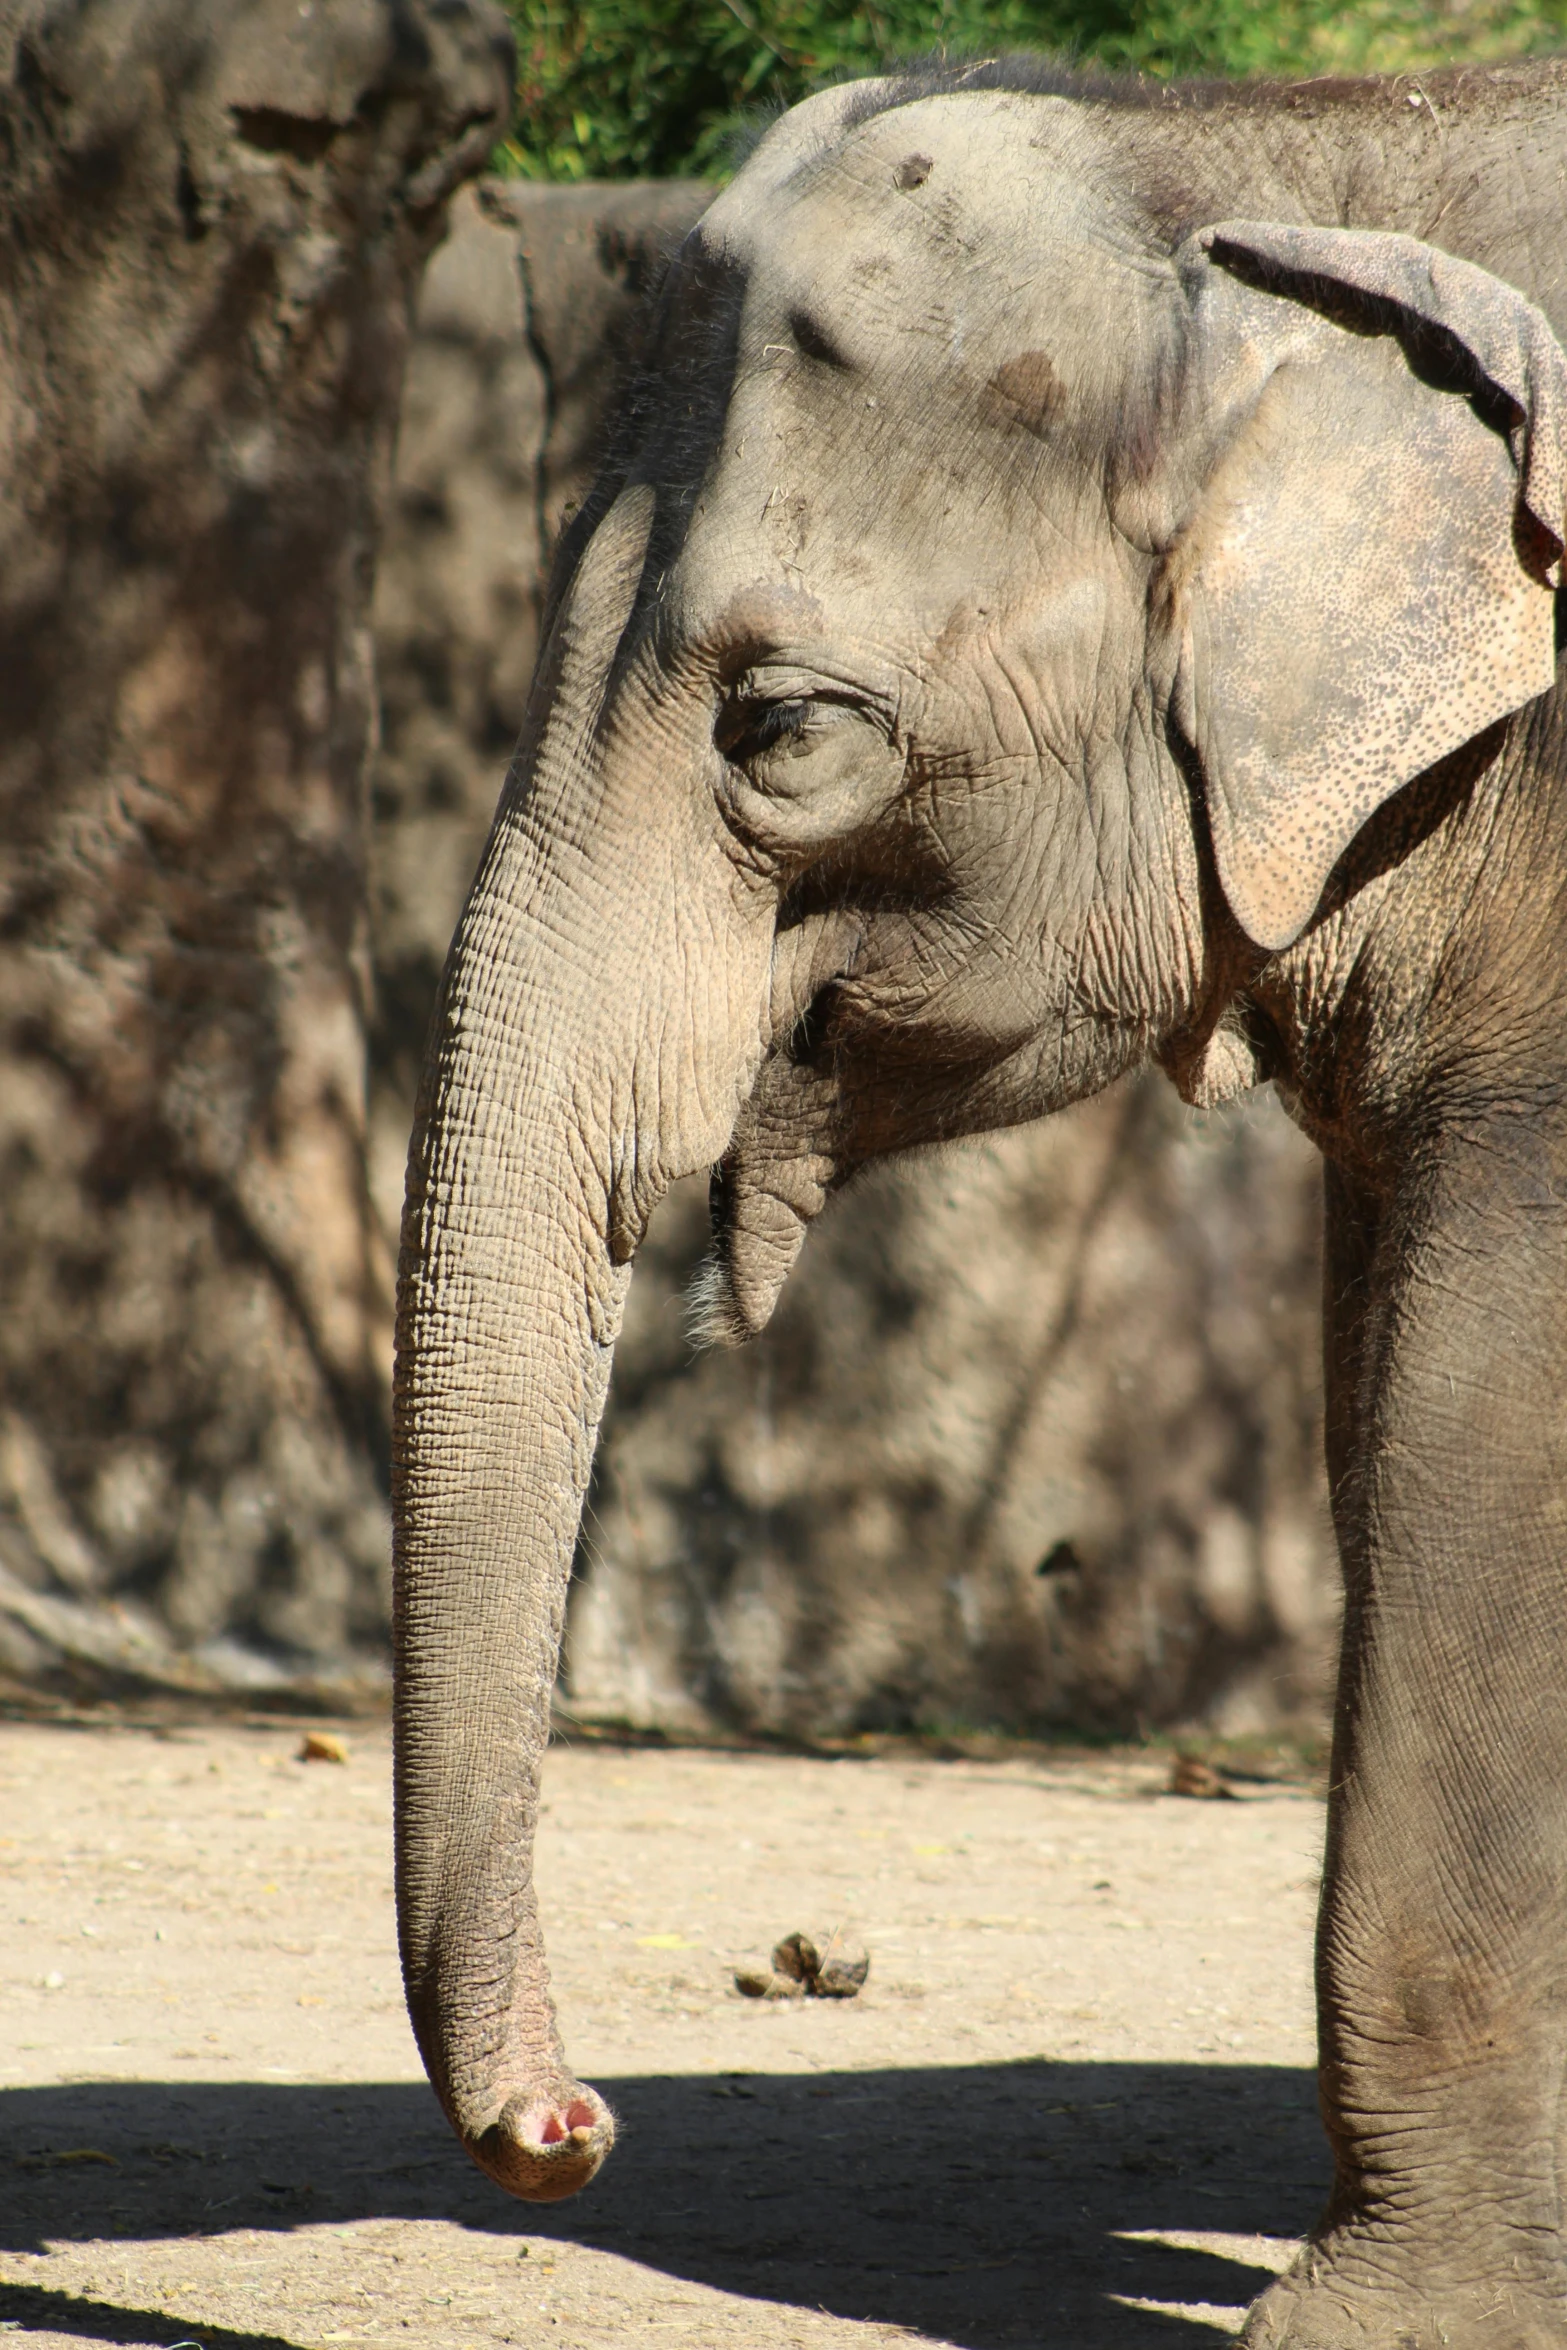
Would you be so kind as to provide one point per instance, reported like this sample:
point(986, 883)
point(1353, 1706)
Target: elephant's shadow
point(982, 2205)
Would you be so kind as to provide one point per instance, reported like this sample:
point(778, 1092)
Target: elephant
point(1074, 585)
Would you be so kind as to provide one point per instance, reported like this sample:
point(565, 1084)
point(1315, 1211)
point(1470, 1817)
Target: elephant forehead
point(982, 147)
point(887, 515)
point(940, 318)
point(981, 224)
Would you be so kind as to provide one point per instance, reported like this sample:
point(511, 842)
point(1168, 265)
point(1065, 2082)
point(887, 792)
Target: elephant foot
point(1345, 2298)
point(543, 2149)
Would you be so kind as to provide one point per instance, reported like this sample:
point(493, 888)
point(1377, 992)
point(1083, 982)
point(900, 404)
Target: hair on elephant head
point(1011, 640)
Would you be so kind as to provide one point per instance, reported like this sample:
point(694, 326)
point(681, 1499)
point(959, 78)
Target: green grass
point(622, 89)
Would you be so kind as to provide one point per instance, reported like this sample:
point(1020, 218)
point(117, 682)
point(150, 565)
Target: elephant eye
point(746, 729)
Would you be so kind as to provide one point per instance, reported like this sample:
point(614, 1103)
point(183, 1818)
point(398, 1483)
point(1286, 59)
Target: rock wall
point(1032, 1443)
point(526, 322)
point(1034, 1440)
point(213, 214)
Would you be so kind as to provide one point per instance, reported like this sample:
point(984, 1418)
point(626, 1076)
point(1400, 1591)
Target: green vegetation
point(616, 89)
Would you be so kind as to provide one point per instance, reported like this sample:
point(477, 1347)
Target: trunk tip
point(545, 2148)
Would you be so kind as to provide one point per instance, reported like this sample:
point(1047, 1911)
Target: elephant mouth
point(855, 1070)
point(863, 1061)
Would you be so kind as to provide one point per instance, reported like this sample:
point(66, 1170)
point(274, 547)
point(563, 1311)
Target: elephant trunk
point(600, 1021)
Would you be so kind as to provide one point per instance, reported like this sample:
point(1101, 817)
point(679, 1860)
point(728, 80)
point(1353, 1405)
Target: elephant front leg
point(1442, 1942)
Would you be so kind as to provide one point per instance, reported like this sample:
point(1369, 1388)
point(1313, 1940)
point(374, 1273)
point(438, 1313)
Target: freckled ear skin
point(1365, 580)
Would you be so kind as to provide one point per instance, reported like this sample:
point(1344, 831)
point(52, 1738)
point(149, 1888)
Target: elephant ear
point(1364, 580)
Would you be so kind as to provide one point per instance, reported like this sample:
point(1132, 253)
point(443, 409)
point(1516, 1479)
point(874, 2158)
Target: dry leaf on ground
point(322, 1746)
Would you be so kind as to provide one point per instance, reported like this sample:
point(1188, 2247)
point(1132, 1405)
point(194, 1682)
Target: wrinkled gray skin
point(1023, 633)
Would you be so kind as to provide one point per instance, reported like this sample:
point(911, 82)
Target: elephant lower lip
point(761, 1210)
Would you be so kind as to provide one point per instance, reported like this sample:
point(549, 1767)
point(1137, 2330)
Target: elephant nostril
point(579, 2116)
point(552, 2132)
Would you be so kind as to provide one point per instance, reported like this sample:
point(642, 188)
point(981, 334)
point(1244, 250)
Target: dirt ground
point(1072, 2109)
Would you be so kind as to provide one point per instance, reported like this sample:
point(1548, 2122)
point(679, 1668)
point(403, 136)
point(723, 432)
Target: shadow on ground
point(985, 2205)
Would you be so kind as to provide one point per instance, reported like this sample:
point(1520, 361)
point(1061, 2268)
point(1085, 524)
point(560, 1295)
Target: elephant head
point(996, 617)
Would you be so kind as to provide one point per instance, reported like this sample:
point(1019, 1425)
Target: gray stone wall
point(1034, 1440)
point(1032, 1443)
point(526, 323)
point(213, 215)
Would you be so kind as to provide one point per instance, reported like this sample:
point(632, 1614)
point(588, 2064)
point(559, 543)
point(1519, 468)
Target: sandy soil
point(1072, 2109)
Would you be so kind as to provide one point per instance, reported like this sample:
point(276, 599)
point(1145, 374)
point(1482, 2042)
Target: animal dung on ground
point(761, 1982)
point(797, 1957)
point(804, 1969)
point(841, 1970)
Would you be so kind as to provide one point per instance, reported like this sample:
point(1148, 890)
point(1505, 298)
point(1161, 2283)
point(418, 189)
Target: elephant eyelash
point(750, 728)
